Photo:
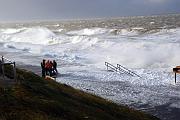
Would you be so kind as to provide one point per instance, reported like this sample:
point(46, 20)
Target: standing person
point(55, 66)
point(51, 68)
point(47, 66)
point(43, 68)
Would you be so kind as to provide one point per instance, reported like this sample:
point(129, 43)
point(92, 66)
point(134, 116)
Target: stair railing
point(127, 70)
point(121, 69)
point(112, 67)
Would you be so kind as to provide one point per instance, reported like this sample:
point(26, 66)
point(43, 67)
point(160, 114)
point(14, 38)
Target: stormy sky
point(19, 10)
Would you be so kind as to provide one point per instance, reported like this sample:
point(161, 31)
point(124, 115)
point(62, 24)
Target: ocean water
point(149, 46)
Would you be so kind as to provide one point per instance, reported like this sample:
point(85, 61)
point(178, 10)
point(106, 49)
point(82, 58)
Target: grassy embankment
point(39, 99)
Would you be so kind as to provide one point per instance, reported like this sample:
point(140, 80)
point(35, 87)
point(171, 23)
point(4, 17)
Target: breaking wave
point(35, 35)
point(90, 32)
point(97, 45)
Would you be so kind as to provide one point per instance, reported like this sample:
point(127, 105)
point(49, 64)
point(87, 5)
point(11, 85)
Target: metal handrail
point(108, 65)
point(120, 68)
point(8, 63)
point(127, 70)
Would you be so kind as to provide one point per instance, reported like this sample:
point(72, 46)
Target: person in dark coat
point(55, 66)
point(43, 68)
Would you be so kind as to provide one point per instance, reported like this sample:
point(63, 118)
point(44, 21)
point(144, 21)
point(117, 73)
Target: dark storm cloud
point(65, 9)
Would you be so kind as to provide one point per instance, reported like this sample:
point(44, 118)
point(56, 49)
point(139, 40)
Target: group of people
point(49, 68)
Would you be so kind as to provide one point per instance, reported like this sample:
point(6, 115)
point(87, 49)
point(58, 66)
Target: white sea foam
point(21, 46)
point(11, 30)
point(129, 32)
point(89, 32)
point(154, 50)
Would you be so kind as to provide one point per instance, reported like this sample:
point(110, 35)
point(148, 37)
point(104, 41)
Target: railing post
point(15, 72)
point(106, 65)
point(3, 68)
point(175, 77)
point(0, 67)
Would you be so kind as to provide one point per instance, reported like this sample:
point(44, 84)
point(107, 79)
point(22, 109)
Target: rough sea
point(147, 45)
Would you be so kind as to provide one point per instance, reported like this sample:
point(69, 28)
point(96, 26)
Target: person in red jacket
point(47, 67)
point(51, 68)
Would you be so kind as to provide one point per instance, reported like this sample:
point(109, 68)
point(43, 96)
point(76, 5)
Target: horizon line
point(81, 19)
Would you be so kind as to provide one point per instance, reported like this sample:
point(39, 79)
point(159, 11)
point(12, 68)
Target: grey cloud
point(62, 9)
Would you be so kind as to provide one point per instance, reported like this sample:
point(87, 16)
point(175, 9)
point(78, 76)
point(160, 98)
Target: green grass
point(39, 99)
